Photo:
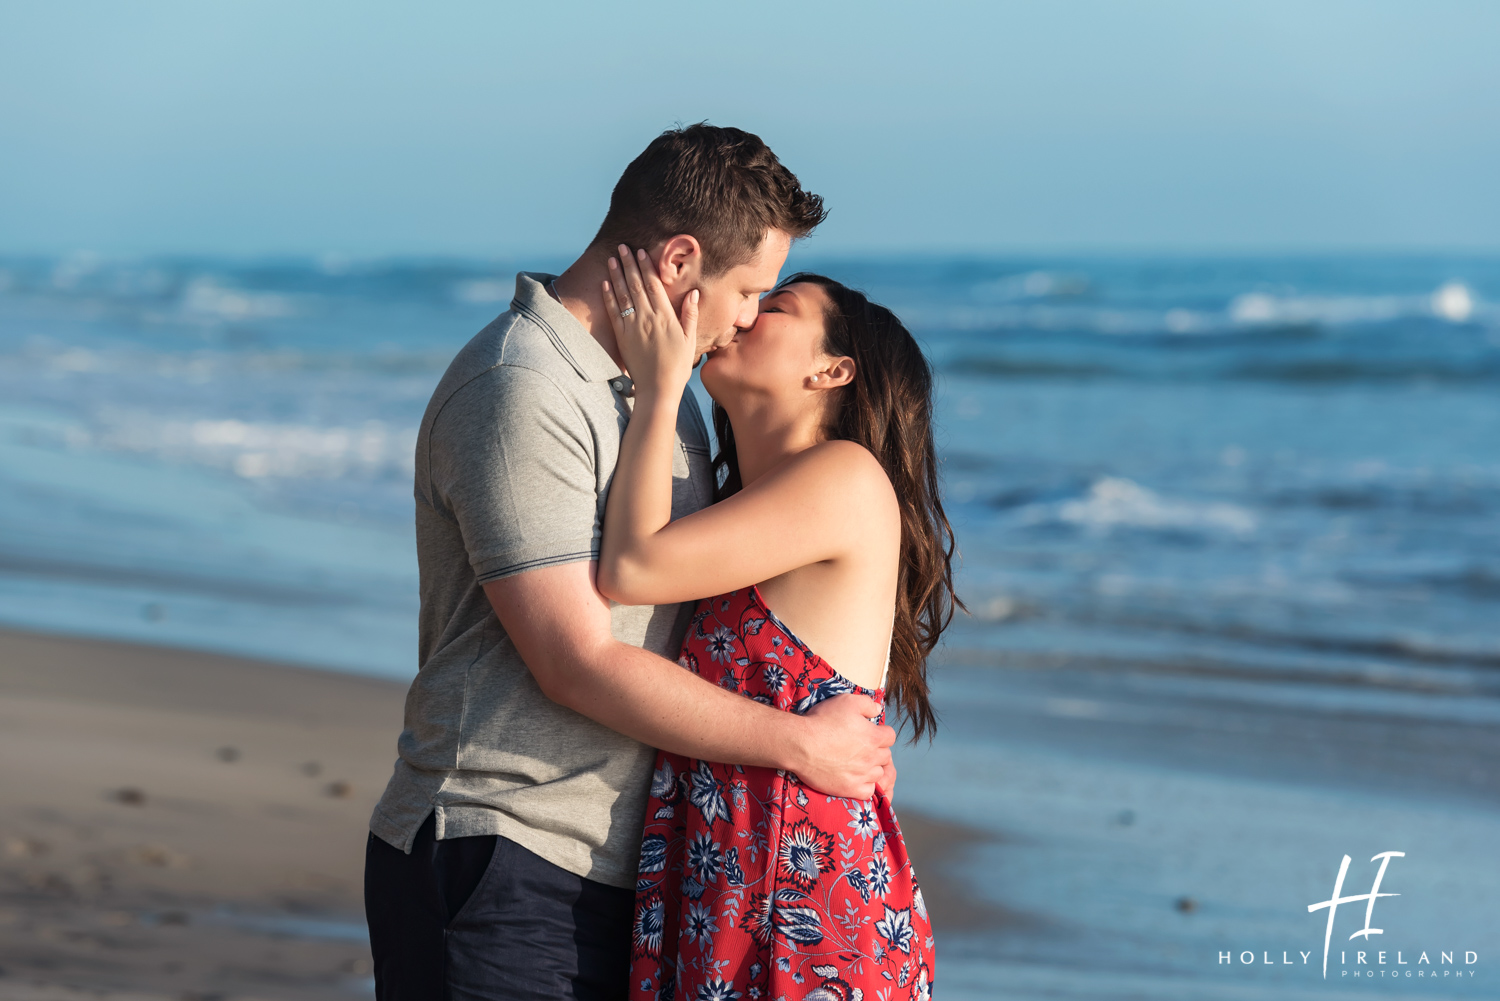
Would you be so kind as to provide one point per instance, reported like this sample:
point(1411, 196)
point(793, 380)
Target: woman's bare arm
point(809, 509)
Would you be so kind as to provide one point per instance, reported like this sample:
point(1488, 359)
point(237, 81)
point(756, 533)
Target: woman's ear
point(840, 372)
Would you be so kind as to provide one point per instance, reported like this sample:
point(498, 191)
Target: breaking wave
point(1114, 502)
point(252, 450)
point(1248, 312)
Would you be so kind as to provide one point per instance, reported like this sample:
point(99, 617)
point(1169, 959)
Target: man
point(502, 857)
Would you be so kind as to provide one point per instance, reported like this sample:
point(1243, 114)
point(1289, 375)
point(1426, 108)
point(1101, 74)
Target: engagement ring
point(627, 311)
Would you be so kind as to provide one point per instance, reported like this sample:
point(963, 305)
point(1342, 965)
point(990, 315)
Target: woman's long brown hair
point(888, 410)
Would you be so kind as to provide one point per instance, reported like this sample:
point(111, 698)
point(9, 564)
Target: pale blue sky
point(377, 128)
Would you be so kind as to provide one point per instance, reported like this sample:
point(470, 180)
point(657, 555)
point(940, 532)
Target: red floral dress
point(752, 885)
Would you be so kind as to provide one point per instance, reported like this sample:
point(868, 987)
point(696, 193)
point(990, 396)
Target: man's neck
point(580, 290)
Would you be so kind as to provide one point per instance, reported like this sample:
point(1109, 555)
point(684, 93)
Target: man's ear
point(679, 263)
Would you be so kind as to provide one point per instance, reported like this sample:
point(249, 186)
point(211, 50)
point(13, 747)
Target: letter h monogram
point(1333, 903)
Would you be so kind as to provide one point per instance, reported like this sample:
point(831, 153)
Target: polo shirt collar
point(572, 340)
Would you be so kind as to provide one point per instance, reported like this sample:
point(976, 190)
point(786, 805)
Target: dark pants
point(476, 919)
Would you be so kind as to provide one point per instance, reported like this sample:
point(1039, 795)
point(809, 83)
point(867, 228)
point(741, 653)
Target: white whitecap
point(1116, 502)
point(1031, 285)
point(1183, 321)
point(1253, 307)
point(1257, 308)
point(1453, 302)
point(997, 609)
point(260, 450)
point(206, 298)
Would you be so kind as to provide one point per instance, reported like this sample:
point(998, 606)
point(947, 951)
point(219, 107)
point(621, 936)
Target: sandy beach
point(184, 824)
point(191, 825)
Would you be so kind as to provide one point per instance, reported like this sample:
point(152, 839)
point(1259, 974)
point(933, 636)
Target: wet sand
point(191, 825)
point(1150, 819)
point(184, 824)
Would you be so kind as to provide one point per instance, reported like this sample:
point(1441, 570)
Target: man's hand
point(560, 625)
point(887, 781)
point(845, 754)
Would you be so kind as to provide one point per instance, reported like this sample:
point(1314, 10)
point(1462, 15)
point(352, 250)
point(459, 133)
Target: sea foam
point(1113, 502)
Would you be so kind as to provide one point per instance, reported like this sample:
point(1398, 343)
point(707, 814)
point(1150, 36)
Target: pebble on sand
point(228, 754)
point(157, 856)
point(129, 795)
point(23, 847)
point(51, 882)
point(339, 790)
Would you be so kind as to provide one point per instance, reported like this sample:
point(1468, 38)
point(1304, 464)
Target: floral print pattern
point(752, 886)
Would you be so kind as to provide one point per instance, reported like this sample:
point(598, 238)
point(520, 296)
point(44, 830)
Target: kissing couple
point(645, 755)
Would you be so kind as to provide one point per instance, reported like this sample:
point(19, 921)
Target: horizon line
point(850, 253)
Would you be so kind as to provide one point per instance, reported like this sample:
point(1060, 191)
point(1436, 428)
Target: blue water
point(1262, 465)
point(1238, 522)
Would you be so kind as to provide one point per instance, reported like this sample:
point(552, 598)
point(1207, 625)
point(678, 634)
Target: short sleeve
point(512, 460)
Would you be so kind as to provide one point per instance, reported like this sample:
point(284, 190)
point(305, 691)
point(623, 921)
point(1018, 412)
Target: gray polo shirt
point(514, 460)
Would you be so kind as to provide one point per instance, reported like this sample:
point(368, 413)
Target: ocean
point(1230, 539)
point(1267, 464)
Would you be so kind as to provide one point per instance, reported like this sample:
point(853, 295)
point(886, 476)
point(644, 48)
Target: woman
point(750, 884)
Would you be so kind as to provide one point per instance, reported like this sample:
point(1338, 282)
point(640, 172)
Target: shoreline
point(187, 825)
point(178, 823)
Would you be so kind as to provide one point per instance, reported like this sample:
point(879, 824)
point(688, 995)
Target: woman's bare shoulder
point(849, 472)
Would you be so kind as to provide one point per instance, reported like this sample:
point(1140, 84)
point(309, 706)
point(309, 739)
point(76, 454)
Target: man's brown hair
point(721, 185)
